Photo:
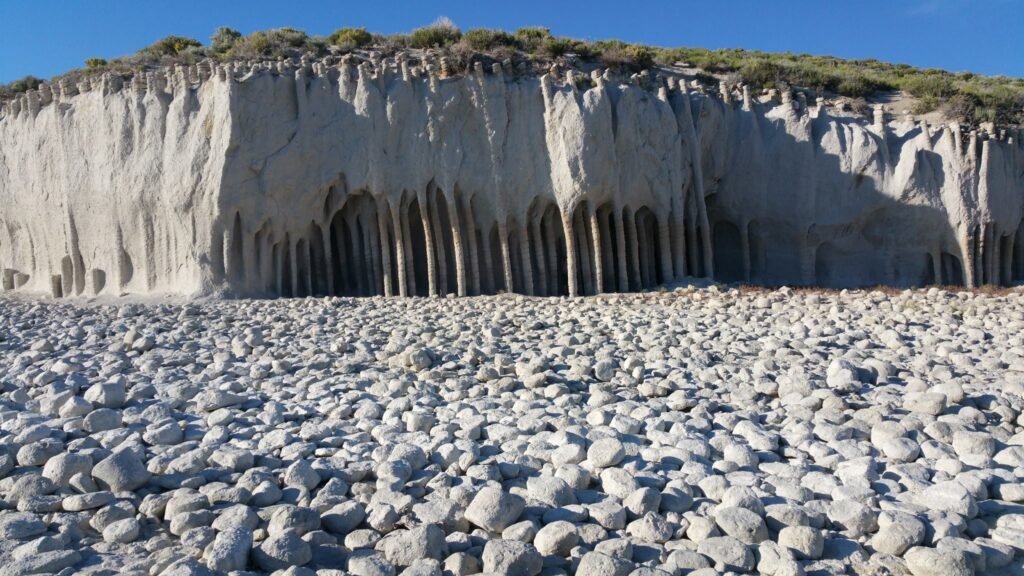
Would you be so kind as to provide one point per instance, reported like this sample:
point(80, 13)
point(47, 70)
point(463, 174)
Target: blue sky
point(47, 37)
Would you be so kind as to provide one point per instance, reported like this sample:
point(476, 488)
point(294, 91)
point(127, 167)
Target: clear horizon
point(44, 39)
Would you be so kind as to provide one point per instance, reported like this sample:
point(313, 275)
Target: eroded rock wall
point(273, 179)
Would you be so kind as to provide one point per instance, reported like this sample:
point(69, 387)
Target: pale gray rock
point(922, 561)
point(20, 525)
point(368, 563)
point(557, 538)
point(50, 562)
point(511, 557)
point(897, 533)
point(618, 482)
point(121, 471)
point(403, 547)
point(493, 509)
point(229, 550)
point(605, 452)
point(61, 467)
point(281, 551)
point(727, 552)
point(742, 524)
point(122, 531)
point(949, 496)
point(806, 542)
point(650, 528)
point(550, 491)
point(88, 501)
point(343, 518)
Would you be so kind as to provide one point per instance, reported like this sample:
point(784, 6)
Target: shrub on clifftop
point(487, 39)
point(276, 43)
point(169, 46)
point(443, 32)
point(350, 38)
point(224, 39)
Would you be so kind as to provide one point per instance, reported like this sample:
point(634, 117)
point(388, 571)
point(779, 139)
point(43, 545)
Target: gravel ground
point(697, 431)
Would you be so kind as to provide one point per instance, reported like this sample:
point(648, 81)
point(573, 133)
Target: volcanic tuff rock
point(296, 178)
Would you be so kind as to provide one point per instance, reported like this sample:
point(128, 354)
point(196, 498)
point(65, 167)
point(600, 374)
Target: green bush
point(316, 44)
point(169, 46)
point(276, 43)
point(925, 104)
point(24, 84)
point(615, 53)
point(961, 107)
point(487, 39)
point(224, 39)
point(94, 63)
point(350, 38)
point(857, 86)
point(762, 73)
point(290, 37)
point(442, 33)
point(640, 55)
point(930, 85)
point(555, 47)
point(531, 39)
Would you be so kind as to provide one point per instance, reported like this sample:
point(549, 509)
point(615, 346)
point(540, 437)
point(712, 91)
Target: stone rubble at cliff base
point(694, 431)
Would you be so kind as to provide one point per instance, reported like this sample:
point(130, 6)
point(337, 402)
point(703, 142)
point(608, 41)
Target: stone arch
point(977, 250)
point(318, 266)
point(354, 244)
point(554, 249)
point(920, 270)
point(825, 274)
point(418, 245)
point(67, 275)
point(632, 260)
point(1006, 250)
point(952, 269)
point(605, 245)
point(98, 280)
point(727, 248)
point(125, 269)
point(516, 238)
point(1017, 267)
point(444, 241)
point(758, 252)
point(288, 271)
point(650, 248)
point(234, 255)
point(302, 268)
point(582, 244)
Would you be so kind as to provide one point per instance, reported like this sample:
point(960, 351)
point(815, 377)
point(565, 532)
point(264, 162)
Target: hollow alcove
point(650, 248)
point(1017, 267)
point(826, 273)
point(727, 248)
point(417, 242)
point(354, 268)
point(757, 250)
point(952, 270)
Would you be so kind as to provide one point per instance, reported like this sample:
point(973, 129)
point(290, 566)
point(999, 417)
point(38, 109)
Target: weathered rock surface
point(298, 178)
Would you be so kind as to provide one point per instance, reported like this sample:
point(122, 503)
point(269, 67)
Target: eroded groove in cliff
point(421, 277)
point(728, 251)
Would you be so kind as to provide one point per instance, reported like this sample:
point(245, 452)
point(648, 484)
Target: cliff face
point(269, 179)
